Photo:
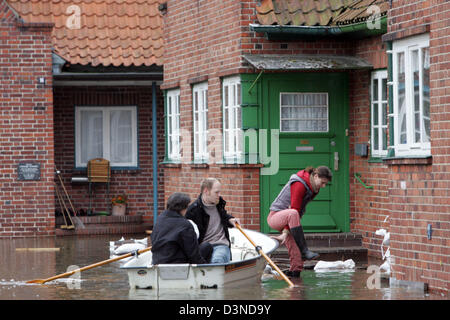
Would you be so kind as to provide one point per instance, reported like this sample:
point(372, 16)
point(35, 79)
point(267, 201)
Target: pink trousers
point(278, 220)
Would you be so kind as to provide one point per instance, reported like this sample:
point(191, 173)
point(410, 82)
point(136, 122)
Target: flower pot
point(119, 210)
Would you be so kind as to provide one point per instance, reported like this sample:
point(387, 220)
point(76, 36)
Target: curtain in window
point(91, 135)
point(304, 112)
point(121, 134)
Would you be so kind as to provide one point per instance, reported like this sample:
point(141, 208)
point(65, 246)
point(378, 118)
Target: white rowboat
point(247, 265)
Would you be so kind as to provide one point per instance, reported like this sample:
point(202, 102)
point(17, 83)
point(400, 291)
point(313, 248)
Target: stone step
point(345, 239)
point(98, 220)
point(357, 253)
point(331, 247)
point(99, 225)
point(104, 229)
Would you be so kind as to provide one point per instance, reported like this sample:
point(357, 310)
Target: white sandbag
point(128, 247)
point(143, 241)
point(334, 265)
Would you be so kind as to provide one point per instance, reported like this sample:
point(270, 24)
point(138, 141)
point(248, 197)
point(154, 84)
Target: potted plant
point(119, 205)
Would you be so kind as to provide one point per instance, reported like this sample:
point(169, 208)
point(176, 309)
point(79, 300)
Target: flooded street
point(19, 264)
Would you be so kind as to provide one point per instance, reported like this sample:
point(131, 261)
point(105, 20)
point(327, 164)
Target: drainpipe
point(155, 154)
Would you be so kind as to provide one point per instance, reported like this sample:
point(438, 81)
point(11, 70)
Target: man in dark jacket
point(213, 221)
point(174, 239)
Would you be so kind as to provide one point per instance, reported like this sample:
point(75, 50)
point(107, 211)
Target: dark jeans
point(206, 250)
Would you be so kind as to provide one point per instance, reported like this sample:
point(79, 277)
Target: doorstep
point(100, 225)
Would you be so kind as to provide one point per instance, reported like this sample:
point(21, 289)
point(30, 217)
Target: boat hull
point(247, 266)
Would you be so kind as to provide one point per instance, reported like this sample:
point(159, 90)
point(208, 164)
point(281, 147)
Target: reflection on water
point(110, 282)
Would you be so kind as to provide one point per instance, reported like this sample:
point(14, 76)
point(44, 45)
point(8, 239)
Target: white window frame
point(407, 46)
point(200, 108)
point(377, 150)
point(106, 111)
point(173, 125)
point(232, 119)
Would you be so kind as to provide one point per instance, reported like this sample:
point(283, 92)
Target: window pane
point(375, 139)
point(426, 93)
point(384, 89)
point(121, 133)
point(384, 130)
point(401, 101)
point(91, 135)
point(195, 101)
point(384, 113)
point(375, 114)
point(375, 89)
point(238, 94)
point(416, 91)
point(225, 96)
point(226, 118)
point(239, 118)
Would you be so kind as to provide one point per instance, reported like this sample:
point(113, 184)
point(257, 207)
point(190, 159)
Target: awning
point(305, 62)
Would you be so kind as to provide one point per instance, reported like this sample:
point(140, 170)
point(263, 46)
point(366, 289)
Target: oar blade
point(40, 281)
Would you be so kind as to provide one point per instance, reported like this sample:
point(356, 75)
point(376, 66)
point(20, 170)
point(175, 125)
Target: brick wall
point(26, 126)
point(137, 184)
point(199, 48)
point(368, 207)
point(419, 190)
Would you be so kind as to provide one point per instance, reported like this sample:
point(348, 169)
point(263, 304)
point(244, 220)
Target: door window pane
point(304, 112)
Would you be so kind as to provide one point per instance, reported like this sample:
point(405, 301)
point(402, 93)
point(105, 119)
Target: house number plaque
point(30, 171)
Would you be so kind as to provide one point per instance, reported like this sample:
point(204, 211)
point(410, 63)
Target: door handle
point(336, 161)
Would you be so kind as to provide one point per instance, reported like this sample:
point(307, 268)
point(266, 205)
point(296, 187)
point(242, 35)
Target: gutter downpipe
point(155, 154)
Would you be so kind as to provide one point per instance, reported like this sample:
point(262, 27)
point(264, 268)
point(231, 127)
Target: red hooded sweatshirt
point(298, 190)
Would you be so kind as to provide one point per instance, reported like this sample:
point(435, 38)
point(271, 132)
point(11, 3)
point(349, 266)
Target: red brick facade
point(426, 199)
point(136, 183)
point(26, 126)
point(199, 48)
point(205, 41)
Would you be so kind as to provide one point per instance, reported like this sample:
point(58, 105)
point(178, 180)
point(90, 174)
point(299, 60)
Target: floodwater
point(19, 264)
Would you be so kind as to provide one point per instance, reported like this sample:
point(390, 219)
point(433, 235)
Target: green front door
point(311, 112)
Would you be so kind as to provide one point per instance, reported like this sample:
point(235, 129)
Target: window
point(411, 75)
point(200, 101)
point(173, 125)
point(304, 112)
point(106, 132)
point(232, 118)
point(379, 113)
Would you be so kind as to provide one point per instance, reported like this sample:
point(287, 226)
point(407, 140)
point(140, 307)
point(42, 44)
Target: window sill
point(240, 165)
point(199, 165)
point(168, 164)
point(375, 160)
point(413, 160)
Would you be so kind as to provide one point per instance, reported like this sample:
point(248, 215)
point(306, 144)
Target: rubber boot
point(292, 274)
point(299, 237)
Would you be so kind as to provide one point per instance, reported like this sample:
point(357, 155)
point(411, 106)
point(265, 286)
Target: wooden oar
point(98, 264)
point(261, 252)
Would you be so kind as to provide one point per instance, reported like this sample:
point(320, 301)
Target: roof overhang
point(352, 30)
point(306, 62)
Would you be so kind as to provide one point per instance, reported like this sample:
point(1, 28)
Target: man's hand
point(233, 221)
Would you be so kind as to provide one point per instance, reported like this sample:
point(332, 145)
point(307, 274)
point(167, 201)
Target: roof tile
point(316, 12)
point(112, 32)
